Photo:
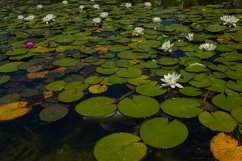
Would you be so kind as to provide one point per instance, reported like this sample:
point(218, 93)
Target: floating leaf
point(190, 91)
point(66, 62)
point(70, 95)
point(53, 113)
point(138, 107)
point(4, 79)
point(56, 86)
point(120, 147)
point(96, 89)
point(160, 133)
point(227, 101)
point(10, 67)
point(143, 79)
point(237, 113)
point(150, 89)
point(96, 107)
point(182, 107)
point(13, 110)
point(130, 72)
point(217, 121)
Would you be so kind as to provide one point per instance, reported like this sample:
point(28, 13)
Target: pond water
point(113, 81)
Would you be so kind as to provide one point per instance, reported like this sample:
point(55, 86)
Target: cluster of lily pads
point(197, 50)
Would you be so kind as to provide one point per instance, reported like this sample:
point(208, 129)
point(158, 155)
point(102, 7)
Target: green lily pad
point(9, 98)
point(70, 95)
point(166, 61)
point(215, 28)
point(56, 85)
point(4, 79)
point(93, 80)
point(182, 107)
point(64, 39)
point(77, 85)
point(150, 89)
point(91, 108)
point(130, 72)
point(217, 121)
point(114, 79)
point(228, 100)
point(160, 133)
point(138, 107)
point(190, 91)
point(10, 67)
point(66, 62)
point(40, 49)
point(53, 113)
point(143, 79)
point(237, 86)
point(237, 113)
point(120, 147)
point(20, 51)
point(196, 68)
point(107, 71)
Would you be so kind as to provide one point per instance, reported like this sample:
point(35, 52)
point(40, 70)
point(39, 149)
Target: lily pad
point(96, 89)
point(53, 113)
point(228, 100)
point(182, 107)
point(150, 89)
point(70, 95)
point(13, 110)
point(66, 62)
point(130, 72)
point(96, 107)
point(190, 91)
point(120, 147)
point(4, 79)
point(217, 121)
point(237, 86)
point(237, 113)
point(56, 85)
point(138, 107)
point(10, 67)
point(160, 133)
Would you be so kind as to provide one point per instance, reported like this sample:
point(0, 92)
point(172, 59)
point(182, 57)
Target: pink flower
point(29, 45)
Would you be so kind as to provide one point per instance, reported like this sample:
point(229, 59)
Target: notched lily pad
point(120, 147)
point(160, 133)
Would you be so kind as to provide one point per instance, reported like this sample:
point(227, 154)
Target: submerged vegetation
point(175, 65)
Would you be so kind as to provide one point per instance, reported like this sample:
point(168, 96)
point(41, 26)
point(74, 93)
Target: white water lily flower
point(156, 19)
point(48, 17)
point(147, 4)
point(81, 7)
point(207, 47)
point(190, 36)
point(65, 2)
point(128, 5)
point(230, 20)
point(96, 21)
point(138, 30)
point(103, 14)
point(29, 18)
point(96, 6)
point(39, 6)
point(20, 17)
point(171, 80)
point(166, 46)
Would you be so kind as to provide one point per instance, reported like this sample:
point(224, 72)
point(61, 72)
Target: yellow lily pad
point(13, 110)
